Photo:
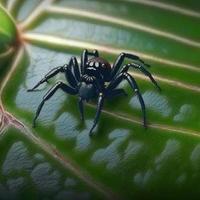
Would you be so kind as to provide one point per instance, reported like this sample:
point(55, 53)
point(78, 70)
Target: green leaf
point(7, 31)
point(8, 40)
point(123, 159)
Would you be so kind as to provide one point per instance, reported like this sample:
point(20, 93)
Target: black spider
point(95, 78)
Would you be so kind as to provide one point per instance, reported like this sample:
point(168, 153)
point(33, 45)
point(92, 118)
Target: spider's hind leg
point(74, 69)
point(50, 93)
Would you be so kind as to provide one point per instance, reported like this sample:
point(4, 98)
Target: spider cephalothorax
point(95, 78)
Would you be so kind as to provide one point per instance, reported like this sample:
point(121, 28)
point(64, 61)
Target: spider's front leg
point(73, 70)
point(98, 112)
point(125, 68)
point(49, 75)
point(119, 61)
point(73, 76)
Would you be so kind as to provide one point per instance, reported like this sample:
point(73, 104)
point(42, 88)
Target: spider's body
point(95, 78)
point(99, 67)
point(97, 73)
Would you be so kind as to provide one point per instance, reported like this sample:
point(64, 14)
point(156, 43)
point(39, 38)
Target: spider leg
point(80, 104)
point(99, 108)
point(117, 64)
point(84, 58)
point(133, 84)
point(115, 82)
point(125, 68)
point(70, 77)
point(145, 72)
point(50, 93)
point(73, 63)
point(115, 92)
point(49, 75)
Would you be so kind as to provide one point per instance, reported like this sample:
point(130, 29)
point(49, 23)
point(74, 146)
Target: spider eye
point(91, 64)
point(96, 64)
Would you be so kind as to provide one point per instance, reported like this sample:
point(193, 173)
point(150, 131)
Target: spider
point(95, 78)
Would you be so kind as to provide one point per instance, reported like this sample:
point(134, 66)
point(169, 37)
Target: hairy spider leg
point(120, 59)
point(134, 86)
point(98, 112)
point(49, 75)
point(50, 93)
point(84, 58)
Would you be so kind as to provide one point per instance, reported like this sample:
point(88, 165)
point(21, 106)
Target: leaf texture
point(123, 160)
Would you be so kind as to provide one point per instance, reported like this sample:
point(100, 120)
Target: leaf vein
point(122, 22)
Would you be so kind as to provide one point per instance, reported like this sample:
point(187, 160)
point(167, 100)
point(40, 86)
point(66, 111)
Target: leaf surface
point(123, 159)
point(7, 31)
